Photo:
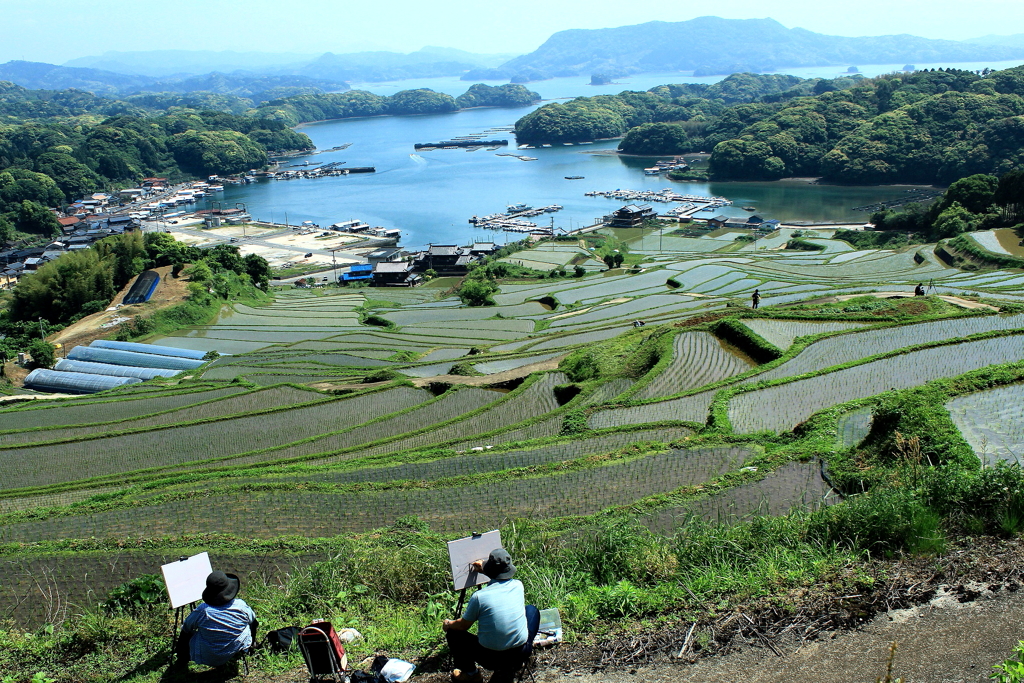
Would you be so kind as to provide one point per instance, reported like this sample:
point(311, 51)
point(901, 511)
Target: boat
point(748, 208)
point(574, 177)
point(517, 208)
point(654, 170)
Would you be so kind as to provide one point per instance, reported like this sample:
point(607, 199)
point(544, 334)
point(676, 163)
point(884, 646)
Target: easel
point(462, 553)
point(185, 580)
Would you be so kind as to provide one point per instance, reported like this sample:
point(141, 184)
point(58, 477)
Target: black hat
point(499, 565)
point(221, 588)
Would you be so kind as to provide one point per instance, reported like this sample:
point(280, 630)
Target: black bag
point(363, 677)
point(283, 639)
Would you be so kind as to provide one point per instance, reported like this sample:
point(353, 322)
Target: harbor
point(514, 219)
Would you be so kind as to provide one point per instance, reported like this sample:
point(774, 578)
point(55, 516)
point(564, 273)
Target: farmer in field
point(919, 290)
point(501, 610)
point(219, 628)
point(755, 299)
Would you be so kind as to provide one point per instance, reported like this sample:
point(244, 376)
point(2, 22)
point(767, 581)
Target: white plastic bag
point(397, 670)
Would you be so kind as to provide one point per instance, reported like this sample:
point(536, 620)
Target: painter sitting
point(500, 609)
point(221, 627)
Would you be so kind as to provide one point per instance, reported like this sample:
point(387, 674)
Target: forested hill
point(56, 145)
point(921, 127)
point(712, 45)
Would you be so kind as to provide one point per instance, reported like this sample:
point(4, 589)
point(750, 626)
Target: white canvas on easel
point(186, 579)
point(465, 551)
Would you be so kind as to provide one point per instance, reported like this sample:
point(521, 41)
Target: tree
point(43, 354)
point(224, 151)
point(474, 292)
point(953, 221)
point(258, 270)
point(36, 219)
point(975, 193)
point(1009, 195)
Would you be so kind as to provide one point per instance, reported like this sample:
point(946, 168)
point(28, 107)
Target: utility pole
point(41, 335)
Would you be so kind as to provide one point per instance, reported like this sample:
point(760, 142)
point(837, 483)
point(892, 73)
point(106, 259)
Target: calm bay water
point(431, 195)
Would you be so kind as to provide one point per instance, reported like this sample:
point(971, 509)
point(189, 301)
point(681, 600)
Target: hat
point(221, 588)
point(499, 565)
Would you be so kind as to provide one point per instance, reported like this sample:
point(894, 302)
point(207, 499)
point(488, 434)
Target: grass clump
point(754, 345)
point(628, 355)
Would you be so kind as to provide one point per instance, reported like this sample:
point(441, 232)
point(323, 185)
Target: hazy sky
point(57, 30)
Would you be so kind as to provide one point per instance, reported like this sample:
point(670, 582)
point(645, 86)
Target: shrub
point(136, 595)
point(382, 375)
point(477, 292)
point(43, 354)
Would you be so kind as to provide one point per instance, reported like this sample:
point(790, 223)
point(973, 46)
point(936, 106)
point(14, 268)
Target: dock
point(690, 203)
point(460, 142)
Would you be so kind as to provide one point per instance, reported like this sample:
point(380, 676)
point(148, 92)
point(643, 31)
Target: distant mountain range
point(705, 46)
point(166, 63)
point(258, 87)
point(1015, 40)
point(711, 45)
point(254, 75)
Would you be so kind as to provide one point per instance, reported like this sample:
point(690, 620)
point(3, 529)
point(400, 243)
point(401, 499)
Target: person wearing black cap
point(219, 628)
point(500, 608)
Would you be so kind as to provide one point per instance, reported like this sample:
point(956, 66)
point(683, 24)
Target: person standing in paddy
point(755, 299)
point(500, 607)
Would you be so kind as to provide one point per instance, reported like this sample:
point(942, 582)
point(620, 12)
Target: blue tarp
point(66, 365)
point(97, 354)
point(147, 348)
point(74, 382)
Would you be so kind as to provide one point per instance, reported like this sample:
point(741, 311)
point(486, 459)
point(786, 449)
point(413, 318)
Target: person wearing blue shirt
point(219, 628)
point(500, 609)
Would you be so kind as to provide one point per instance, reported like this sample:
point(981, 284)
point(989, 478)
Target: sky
point(55, 31)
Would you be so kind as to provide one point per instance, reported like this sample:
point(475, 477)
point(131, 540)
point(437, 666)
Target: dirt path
point(169, 292)
point(944, 641)
point(955, 300)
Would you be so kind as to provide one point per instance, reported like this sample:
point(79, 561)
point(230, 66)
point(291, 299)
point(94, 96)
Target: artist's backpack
point(283, 639)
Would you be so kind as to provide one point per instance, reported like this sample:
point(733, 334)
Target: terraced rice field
point(234, 444)
point(781, 333)
point(699, 358)
point(162, 447)
point(797, 486)
point(269, 514)
point(992, 421)
point(783, 407)
point(852, 346)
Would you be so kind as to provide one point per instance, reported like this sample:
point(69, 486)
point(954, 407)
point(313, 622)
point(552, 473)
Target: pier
point(461, 142)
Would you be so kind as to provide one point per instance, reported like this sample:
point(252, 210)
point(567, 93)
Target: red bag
point(321, 647)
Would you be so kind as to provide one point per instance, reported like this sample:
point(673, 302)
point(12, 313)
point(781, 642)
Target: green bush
point(804, 245)
point(477, 292)
point(43, 354)
point(136, 595)
point(382, 375)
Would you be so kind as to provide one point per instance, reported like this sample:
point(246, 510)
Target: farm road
point(943, 641)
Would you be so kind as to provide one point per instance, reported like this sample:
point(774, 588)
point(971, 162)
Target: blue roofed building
point(359, 271)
